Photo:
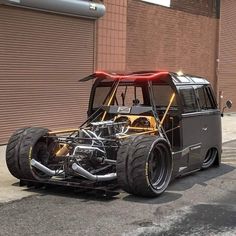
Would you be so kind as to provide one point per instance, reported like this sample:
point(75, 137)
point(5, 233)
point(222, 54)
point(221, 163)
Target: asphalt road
point(203, 203)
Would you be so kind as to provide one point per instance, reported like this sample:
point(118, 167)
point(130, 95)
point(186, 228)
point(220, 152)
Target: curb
point(230, 141)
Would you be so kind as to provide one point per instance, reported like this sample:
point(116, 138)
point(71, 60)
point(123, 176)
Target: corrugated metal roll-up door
point(42, 57)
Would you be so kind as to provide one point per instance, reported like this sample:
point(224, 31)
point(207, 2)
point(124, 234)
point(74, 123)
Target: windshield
point(132, 94)
point(125, 95)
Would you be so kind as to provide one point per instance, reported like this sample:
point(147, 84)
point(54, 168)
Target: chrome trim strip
point(188, 149)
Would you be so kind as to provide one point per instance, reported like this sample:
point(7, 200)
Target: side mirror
point(228, 105)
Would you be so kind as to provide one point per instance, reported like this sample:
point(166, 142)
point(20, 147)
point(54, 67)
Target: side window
point(100, 95)
point(188, 98)
point(205, 98)
point(211, 98)
point(162, 95)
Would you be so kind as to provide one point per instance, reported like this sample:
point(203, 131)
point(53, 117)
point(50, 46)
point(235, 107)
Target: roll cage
point(110, 107)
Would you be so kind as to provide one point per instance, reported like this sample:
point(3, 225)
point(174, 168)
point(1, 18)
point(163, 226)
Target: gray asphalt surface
point(203, 203)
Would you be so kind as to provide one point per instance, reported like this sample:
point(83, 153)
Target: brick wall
point(164, 38)
point(199, 7)
point(227, 52)
point(111, 37)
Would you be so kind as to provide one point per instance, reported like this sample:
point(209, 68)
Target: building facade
point(44, 54)
point(42, 57)
point(227, 53)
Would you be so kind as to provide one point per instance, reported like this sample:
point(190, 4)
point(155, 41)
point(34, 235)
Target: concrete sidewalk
point(9, 189)
point(229, 127)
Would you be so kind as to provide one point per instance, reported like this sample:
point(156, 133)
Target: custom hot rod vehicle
point(143, 129)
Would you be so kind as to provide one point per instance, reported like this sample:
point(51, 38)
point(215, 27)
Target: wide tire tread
point(132, 158)
point(12, 153)
point(30, 139)
point(122, 165)
point(137, 165)
point(125, 159)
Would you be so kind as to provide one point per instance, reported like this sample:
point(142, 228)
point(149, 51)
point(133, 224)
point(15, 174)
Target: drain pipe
point(80, 170)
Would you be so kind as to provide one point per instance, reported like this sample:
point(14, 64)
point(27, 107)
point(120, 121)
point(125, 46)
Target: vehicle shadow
point(199, 177)
point(166, 197)
point(69, 192)
point(172, 193)
point(181, 184)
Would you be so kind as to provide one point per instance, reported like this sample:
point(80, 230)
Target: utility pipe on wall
point(80, 8)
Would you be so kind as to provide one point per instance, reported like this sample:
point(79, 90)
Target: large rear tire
point(34, 146)
point(144, 165)
point(122, 165)
point(12, 153)
point(25, 145)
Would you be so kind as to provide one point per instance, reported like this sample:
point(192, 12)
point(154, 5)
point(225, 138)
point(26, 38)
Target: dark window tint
point(211, 97)
point(205, 98)
point(162, 95)
point(100, 96)
point(188, 98)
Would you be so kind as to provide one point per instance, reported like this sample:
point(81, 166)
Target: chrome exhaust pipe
point(45, 169)
point(80, 170)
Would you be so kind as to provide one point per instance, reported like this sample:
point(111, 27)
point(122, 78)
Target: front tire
point(144, 165)
point(210, 158)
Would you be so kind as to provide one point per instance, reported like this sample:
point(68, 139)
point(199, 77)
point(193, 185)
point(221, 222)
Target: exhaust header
point(80, 170)
point(45, 169)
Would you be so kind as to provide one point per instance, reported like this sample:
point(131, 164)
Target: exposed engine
point(92, 151)
point(109, 128)
point(98, 146)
